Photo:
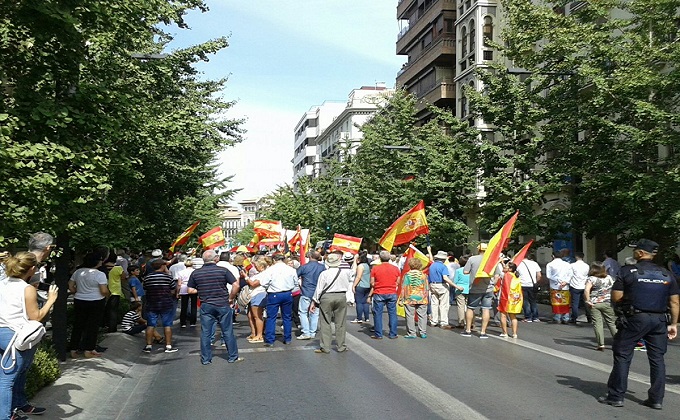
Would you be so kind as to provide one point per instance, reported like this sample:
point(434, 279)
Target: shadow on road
point(594, 389)
point(586, 344)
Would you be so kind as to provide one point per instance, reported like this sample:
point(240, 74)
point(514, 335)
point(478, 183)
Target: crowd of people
point(313, 298)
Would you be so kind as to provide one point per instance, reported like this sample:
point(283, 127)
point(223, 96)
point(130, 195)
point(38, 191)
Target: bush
point(44, 370)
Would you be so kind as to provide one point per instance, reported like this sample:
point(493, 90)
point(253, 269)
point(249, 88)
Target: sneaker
point(303, 337)
point(466, 334)
point(536, 320)
point(503, 335)
point(31, 410)
point(355, 321)
point(170, 349)
point(483, 336)
point(17, 416)
point(641, 348)
point(527, 320)
point(238, 359)
point(192, 325)
point(409, 336)
point(423, 335)
point(147, 349)
point(613, 403)
point(514, 336)
point(182, 326)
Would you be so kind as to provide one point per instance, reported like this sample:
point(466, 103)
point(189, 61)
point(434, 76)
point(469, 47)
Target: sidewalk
point(99, 388)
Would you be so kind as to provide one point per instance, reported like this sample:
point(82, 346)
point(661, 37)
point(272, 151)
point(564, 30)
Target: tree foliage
point(99, 145)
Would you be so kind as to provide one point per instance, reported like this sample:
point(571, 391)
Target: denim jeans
point(363, 308)
point(530, 305)
point(274, 302)
point(212, 315)
point(380, 301)
point(13, 381)
point(308, 322)
point(576, 295)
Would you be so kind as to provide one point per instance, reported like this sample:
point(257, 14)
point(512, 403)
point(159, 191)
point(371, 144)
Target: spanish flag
point(413, 252)
point(253, 242)
point(519, 257)
point(184, 237)
point(345, 243)
point(406, 228)
point(268, 228)
point(212, 238)
point(493, 252)
point(295, 242)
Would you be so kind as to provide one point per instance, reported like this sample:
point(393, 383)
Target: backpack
point(26, 338)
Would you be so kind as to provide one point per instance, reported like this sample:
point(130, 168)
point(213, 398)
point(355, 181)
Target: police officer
point(642, 294)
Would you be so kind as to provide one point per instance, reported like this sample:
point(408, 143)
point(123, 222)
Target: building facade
point(236, 218)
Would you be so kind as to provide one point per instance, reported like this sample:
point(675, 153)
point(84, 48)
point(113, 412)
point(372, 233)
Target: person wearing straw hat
point(440, 282)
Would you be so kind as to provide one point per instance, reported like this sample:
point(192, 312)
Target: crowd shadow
point(585, 342)
point(593, 389)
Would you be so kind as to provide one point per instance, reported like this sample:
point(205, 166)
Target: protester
point(384, 281)
point(330, 298)
point(361, 287)
point(296, 294)
point(577, 284)
point(558, 273)
point(481, 292)
point(188, 302)
point(279, 280)
point(510, 299)
point(452, 264)
point(116, 276)
point(611, 264)
point(18, 305)
point(598, 296)
point(178, 266)
point(438, 277)
point(414, 296)
point(258, 301)
point(309, 278)
point(461, 289)
point(210, 282)
point(529, 273)
point(90, 289)
point(161, 291)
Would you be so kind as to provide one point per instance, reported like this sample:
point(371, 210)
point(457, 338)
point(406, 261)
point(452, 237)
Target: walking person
point(598, 296)
point(210, 283)
point(330, 297)
point(643, 293)
point(414, 296)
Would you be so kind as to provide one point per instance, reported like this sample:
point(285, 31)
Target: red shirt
point(386, 278)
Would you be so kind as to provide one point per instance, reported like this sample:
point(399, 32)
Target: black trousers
point(296, 314)
point(111, 313)
point(87, 319)
point(184, 304)
point(653, 329)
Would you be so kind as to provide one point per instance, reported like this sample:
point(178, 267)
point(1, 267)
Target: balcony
point(441, 49)
point(419, 24)
point(403, 7)
point(441, 93)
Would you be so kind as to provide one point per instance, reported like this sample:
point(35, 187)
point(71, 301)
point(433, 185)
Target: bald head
point(209, 256)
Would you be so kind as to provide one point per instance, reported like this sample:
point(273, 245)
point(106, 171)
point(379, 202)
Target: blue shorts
point(259, 299)
point(483, 300)
point(166, 318)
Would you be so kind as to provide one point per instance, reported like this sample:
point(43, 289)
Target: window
point(463, 37)
point(449, 25)
point(488, 30)
point(472, 36)
point(463, 105)
point(488, 55)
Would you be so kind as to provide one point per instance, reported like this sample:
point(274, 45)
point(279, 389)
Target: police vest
point(650, 289)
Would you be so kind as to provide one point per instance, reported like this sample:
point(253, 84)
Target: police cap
point(646, 245)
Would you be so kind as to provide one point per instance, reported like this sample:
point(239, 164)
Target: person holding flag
point(510, 299)
point(481, 291)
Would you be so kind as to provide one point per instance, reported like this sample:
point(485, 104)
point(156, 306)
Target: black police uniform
point(646, 288)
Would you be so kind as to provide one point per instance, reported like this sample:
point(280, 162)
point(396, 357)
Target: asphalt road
point(550, 371)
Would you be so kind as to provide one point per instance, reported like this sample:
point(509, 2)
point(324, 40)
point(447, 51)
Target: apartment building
point(345, 129)
point(428, 38)
point(307, 130)
point(235, 218)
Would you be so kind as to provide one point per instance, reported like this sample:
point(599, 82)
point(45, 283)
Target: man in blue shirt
point(439, 291)
point(309, 276)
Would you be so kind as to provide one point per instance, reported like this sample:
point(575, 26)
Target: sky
point(284, 57)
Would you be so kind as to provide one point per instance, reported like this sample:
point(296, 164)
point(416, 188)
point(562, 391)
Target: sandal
point(250, 337)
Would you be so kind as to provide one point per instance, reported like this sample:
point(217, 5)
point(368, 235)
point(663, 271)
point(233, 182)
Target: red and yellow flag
point(184, 237)
point(406, 228)
point(413, 252)
point(493, 252)
point(345, 243)
point(212, 238)
point(267, 228)
point(295, 242)
point(253, 242)
point(519, 257)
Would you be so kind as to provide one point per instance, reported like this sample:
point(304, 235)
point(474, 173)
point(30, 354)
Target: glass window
point(488, 30)
point(463, 37)
point(472, 36)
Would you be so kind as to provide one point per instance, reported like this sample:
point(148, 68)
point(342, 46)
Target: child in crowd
point(133, 323)
point(136, 288)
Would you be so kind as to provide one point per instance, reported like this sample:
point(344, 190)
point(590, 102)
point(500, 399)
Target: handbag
point(25, 338)
point(244, 296)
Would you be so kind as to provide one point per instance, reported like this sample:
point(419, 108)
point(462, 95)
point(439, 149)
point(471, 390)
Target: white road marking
point(436, 399)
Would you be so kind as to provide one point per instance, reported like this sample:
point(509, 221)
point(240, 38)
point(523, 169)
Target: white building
point(234, 218)
point(307, 130)
point(345, 129)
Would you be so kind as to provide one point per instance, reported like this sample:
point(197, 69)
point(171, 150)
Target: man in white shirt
point(178, 266)
point(579, 275)
point(280, 279)
point(558, 272)
point(529, 273)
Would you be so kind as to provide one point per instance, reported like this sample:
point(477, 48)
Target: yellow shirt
point(114, 280)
